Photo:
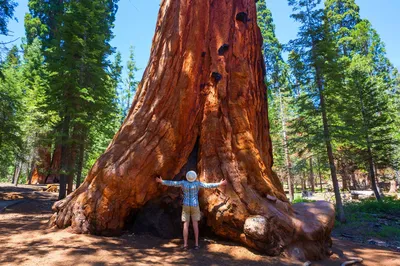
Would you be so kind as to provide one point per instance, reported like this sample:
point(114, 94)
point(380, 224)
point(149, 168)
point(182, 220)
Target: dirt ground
point(26, 240)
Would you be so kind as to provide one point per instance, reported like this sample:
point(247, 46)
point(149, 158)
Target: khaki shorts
point(188, 211)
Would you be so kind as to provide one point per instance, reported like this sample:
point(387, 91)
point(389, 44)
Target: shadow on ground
point(26, 240)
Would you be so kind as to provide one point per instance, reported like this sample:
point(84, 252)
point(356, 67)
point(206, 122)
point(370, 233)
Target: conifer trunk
point(17, 171)
point(286, 149)
point(327, 136)
point(312, 176)
point(371, 173)
point(65, 148)
point(319, 174)
point(202, 99)
point(366, 126)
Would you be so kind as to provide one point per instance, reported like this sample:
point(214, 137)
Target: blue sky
point(135, 24)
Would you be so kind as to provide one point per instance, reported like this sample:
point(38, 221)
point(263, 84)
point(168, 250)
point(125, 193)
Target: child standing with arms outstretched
point(190, 202)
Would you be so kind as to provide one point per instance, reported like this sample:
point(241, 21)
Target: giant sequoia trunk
point(55, 166)
point(201, 104)
point(41, 166)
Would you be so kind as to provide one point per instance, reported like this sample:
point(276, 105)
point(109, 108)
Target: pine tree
point(341, 18)
point(130, 82)
point(313, 50)
point(75, 36)
point(115, 73)
point(11, 113)
point(38, 122)
point(366, 78)
point(368, 115)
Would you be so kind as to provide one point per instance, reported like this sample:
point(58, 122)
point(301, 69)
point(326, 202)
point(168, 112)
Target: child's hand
point(223, 182)
point(158, 179)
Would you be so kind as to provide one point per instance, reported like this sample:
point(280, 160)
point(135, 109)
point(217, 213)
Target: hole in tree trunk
point(216, 76)
point(191, 163)
point(162, 216)
point(242, 16)
point(223, 49)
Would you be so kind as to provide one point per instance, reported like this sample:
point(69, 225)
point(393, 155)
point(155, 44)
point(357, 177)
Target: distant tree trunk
point(64, 164)
point(286, 149)
point(319, 174)
point(81, 156)
point(40, 166)
point(371, 174)
point(54, 169)
point(327, 136)
point(30, 173)
point(370, 159)
point(312, 176)
point(202, 100)
point(79, 153)
point(70, 177)
point(343, 172)
point(75, 139)
point(17, 171)
point(303, 181)
point(353, 180)
point(376, 175)
point(345, 181)
point(18, 174)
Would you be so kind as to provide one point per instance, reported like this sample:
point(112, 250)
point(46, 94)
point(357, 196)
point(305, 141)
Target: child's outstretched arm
point(213, 185)
point(168, 182)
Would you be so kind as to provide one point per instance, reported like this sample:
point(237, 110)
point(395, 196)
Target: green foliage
point(389, 231)
point(272, 50)
point(38, 119)
point(388, 205)
point(23, 106)
point(371, 218)
point(315, 72)
point(130, 84)
point(7, 8)
point(300, 199)
point(277, 82)
point(11, 112)
point(66, 77)
point(339, 57)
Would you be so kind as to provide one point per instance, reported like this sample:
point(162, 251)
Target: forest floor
point(26, 240)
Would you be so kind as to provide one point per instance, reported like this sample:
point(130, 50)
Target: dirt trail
point(26, 240)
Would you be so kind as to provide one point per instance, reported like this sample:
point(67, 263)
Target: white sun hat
point(191, 176)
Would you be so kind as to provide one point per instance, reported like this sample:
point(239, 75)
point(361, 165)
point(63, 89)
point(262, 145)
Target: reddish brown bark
point(202, 90)
point(55, 166)
point(42, 166)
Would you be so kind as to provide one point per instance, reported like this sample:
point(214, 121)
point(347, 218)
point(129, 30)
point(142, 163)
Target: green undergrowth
point(371, 219)
point(388, 205)
point(298, 199)
point(390, 232)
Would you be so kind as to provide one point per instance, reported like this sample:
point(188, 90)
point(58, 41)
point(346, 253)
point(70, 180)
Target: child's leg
point(195, 221)
point(196, 231)
point(185, 233)
point(186, 221)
